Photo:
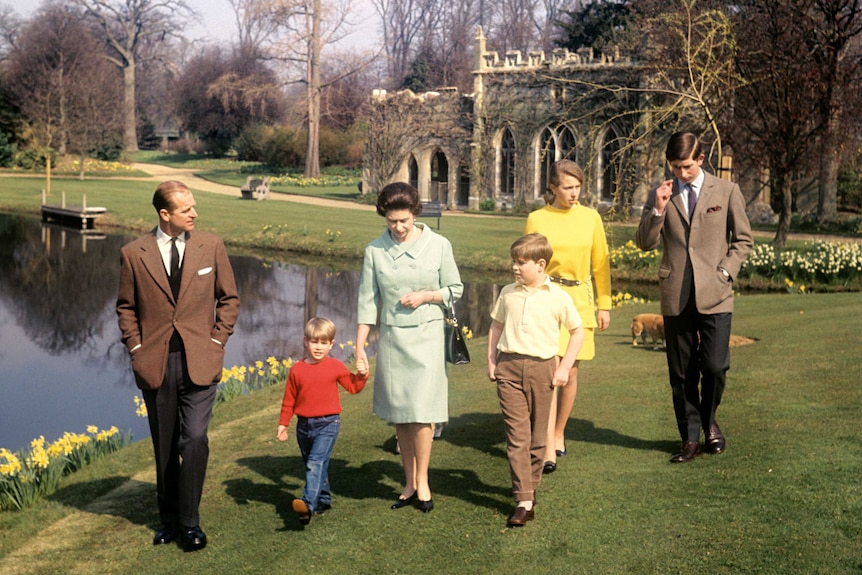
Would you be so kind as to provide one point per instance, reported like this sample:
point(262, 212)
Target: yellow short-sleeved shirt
point(532, 317)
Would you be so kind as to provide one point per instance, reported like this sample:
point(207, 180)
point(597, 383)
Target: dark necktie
point(692, 201)
point(175, 268)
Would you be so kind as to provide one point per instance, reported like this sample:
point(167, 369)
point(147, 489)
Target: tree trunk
point(130, 118)
point(827, 197)
point(312, 152)
point(785, 214)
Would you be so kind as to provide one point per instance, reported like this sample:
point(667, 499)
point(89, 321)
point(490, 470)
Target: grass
point(282, 230)
point(784, 498)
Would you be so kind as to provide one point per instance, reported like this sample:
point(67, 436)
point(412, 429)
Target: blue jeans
point(316, 437)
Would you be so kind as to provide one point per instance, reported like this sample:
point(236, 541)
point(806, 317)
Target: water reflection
point(62, 366)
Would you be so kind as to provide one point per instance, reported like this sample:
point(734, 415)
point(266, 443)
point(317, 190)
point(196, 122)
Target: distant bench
point(255, 189)
point(432, 210)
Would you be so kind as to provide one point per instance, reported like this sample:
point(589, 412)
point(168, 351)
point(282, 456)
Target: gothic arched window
point(506, 166)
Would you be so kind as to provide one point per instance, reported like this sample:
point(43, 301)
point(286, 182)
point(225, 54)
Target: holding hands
point(361, 361)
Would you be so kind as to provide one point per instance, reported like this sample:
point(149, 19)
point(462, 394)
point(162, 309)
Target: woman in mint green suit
point(408, 277)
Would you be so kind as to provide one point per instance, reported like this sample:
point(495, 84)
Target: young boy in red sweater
point(312, 394)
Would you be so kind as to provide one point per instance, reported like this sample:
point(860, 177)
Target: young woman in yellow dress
point(581, 266)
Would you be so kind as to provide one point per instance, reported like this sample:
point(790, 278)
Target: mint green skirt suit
point(410, 383)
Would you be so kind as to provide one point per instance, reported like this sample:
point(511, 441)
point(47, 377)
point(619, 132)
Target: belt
point(565, 282)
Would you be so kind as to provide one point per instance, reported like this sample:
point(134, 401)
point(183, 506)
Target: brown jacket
point(719, 236)
point(206, 309)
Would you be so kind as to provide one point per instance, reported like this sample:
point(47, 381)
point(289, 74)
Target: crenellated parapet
point(489, 61)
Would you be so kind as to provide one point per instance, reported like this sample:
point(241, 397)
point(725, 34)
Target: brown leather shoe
point(714, 440)
point(690, 450)
point(520, 517)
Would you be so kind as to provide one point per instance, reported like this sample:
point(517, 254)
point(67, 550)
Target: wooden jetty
point(81, 217)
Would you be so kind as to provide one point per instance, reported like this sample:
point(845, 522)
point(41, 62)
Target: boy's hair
point(683, 146)
point(320, 328)
point(533, 247)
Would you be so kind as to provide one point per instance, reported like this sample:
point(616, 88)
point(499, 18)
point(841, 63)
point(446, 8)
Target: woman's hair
point(163, 199)
point(399, 196)
point(683, 146)
point(533, 247)
point(320, 328)
point(558, 170)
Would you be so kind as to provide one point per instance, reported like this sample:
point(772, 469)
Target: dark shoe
point(520, 517)
point(400, 502)
point(714, 440)
point(562, 452)
point(425, 506)
point(302, 511)
point(165, 535)
point(194, 538)
point(549, 467)
point(690, 450)
point(321, 509)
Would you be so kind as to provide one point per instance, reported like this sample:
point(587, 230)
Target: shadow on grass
point(120, 496)
point(484, 432)
point(373, 480)
point(586, 431)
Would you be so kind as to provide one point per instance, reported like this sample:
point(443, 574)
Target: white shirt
point(164, 242)
point(696, 185)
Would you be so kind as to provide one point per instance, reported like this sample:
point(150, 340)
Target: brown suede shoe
point(689, 450)
point(520, 517)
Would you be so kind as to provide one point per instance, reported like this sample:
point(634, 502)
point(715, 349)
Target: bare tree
point(10, 24)
point(303, 29)
point(831, 27)
point(257, 23)
point(133, 30)
point(63, 87)
point(403, 23)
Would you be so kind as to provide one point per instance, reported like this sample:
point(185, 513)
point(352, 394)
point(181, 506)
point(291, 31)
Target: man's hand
point(662, 195)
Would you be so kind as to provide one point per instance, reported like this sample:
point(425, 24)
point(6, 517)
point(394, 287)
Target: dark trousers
point(698, 352)
point(179, 413)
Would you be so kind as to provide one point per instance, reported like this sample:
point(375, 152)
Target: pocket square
point(713, 209)
point(204, 271)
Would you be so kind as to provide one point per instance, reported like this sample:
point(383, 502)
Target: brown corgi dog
point(648, 324)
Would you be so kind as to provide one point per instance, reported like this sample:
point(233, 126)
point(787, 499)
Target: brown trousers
point(525, 392)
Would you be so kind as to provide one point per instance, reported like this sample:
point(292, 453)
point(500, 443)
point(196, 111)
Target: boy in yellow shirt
point(522, 350)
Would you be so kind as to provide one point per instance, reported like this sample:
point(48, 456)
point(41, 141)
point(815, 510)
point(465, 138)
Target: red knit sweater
point(311, 389)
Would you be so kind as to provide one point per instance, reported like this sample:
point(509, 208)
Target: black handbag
point(456, 347)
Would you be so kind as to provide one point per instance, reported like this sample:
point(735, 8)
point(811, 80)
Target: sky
point(218, 22)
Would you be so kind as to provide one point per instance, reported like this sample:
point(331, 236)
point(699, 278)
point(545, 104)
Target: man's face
point(181, 218)
point(686, 170)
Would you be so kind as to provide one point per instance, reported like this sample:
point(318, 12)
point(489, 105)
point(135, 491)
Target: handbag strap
point(450, 311)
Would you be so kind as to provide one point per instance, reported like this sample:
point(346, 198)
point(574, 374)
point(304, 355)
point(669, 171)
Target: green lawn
point(784, 498)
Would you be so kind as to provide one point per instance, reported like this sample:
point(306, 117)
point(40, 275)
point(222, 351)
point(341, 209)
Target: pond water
point(62, 366)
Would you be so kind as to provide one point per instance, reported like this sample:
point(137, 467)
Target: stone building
point(496, 145)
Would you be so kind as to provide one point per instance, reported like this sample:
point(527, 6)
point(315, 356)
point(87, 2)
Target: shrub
point(487, 205)
point(108, 151)
point(7, 151)
point(251, 143)
point(285, 149)
point(33, 158)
